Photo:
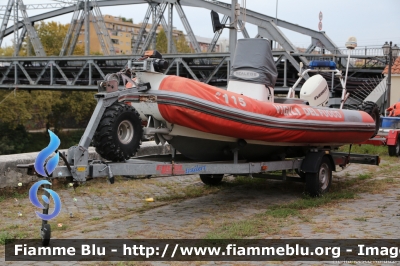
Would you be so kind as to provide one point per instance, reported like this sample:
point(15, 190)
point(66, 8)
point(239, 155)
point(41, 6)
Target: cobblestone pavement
point(368, 216)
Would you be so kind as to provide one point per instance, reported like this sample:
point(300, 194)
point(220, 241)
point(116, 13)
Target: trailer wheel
point(372, 109)
point(319, 183)
point(394, 150)
point(119, 134)
point(211, 179)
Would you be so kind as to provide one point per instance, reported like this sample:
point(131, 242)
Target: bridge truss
point(68, 72)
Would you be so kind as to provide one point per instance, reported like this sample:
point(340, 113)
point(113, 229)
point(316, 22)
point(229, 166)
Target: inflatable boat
point(207, 123)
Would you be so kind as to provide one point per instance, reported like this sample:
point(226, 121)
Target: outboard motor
point(253, 71)
point(315, 90)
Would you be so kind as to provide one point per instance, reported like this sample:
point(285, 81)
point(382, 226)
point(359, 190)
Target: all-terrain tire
point(211, 179)
point(372, 109)
point(118, 136)
point(319, 183)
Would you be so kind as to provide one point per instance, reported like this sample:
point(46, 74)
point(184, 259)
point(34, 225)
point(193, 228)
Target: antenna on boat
point(350, 44)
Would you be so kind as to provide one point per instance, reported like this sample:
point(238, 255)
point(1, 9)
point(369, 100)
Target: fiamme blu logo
point(45, 169)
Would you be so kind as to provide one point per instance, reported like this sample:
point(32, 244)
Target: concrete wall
point(10, 175)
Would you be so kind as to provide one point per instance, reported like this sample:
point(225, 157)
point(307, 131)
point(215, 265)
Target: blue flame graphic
point(45, 153)
point(35, 201)
point(52, 163)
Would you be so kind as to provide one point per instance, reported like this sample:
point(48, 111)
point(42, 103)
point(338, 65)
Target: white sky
point(372, 22)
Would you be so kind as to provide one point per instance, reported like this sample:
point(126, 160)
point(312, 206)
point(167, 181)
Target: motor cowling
point(316, 91)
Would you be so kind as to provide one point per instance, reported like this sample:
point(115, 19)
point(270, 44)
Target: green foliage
point(282, 212)
point(15, 107)
point(79, 50)
point(182, 45)
point(5, 236)
point(80, 105)
point(52, 36)
point(366, 149)
point(94, 53)
point(13, 140)
point(19, 141)
point(6, 51)
point(40, 109)
point(126, 20)
point(162, 42)
point(70, 138)
point(365, 176)
point(275, 217)
point(74, 106)
point(45, 107)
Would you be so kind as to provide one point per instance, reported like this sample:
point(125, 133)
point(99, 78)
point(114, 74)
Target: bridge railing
point(83, 72)
point(361, 57)
point(363, 50)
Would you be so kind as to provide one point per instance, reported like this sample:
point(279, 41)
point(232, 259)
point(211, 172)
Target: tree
point(79, 50)
point(182, 45)
point(15, 107)
point(81, 105)
point(13, 140)
point(52, 35)
point(162, 42)
point(40, 108)
point(7, 51)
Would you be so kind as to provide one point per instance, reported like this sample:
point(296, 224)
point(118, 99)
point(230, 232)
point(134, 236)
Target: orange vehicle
point(389, 132)
point(394, 110)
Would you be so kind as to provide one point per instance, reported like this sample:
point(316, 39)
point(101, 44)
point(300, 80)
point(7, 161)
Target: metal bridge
point(67, 72)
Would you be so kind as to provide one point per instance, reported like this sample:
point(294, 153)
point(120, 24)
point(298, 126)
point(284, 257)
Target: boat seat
point(290, 100)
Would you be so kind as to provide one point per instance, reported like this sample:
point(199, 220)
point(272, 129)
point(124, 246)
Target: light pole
point(276, 21)
point(392, 52)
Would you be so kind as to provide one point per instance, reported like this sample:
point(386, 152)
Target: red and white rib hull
point(205, 123)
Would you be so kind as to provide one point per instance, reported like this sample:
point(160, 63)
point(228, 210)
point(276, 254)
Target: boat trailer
point(315, 170)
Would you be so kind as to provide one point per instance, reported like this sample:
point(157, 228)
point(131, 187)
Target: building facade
point(123, 33)
point(395, 84)
point(222, 45)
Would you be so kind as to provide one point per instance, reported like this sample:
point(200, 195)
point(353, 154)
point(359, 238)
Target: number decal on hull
point(235, 101)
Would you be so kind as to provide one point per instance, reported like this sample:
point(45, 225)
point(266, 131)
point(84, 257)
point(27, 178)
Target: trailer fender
point(313, 160)
point(392, 137)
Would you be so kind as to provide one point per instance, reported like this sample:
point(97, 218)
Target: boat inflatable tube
point(209, 109)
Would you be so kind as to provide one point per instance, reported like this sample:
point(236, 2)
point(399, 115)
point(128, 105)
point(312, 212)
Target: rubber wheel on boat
point(394, 150)
point(118, 136)
point(319, 183)
point(372, 109)
point(211, 179)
